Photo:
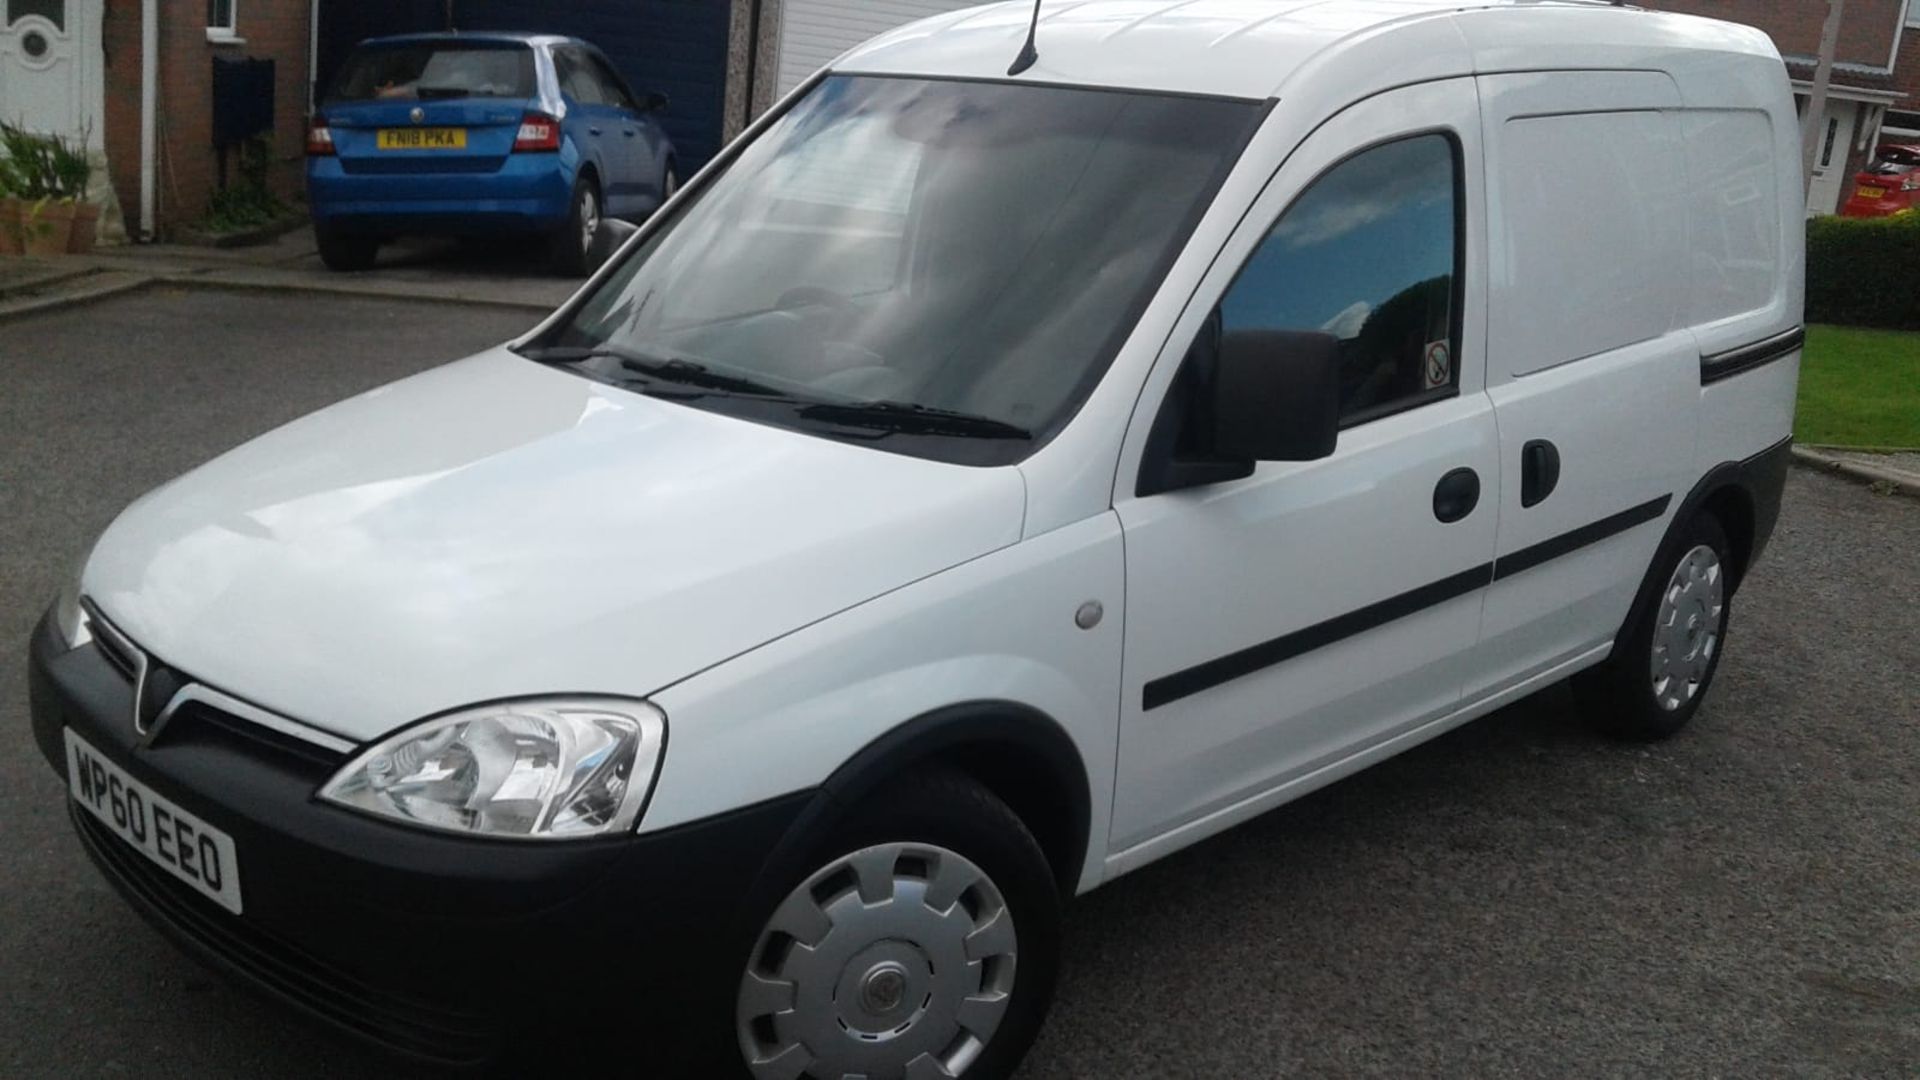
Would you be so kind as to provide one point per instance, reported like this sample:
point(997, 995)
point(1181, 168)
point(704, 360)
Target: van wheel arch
point(1020, 754)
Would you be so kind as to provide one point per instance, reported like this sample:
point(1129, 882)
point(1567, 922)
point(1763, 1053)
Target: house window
point(222, 19)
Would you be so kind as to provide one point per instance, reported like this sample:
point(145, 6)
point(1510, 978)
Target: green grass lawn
point(1860, 388)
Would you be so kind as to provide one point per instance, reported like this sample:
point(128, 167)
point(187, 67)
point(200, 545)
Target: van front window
point(938, 268)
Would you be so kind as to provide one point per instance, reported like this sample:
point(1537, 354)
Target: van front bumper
point(440, 948)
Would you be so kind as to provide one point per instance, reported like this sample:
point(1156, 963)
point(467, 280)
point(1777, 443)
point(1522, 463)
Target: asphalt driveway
point(1515, 899)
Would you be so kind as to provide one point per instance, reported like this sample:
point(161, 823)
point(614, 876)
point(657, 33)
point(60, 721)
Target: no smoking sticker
point(1437, 371)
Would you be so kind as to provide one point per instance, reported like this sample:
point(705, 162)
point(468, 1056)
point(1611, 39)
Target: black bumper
point(439, 948)
point(1765, 478)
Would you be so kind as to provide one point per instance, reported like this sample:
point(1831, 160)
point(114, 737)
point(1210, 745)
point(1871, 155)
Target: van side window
point(1369, 252)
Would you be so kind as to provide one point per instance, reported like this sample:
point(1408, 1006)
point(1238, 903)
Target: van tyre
point(1666, 656)
point(571, 249)
point(922, 940)
point(345, 252)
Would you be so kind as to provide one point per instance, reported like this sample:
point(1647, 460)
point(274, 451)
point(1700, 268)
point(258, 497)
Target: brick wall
point(1866, 32)
point(188, 163)
point(1906, 70)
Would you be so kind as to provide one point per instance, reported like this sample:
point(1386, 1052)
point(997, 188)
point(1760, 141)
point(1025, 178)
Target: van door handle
point(1455, 496)
point(1539, 471)
point(593, 131)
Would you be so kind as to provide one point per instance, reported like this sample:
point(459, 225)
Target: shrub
point(1864, 271)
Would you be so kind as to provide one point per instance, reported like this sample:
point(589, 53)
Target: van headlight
point(70, 618)
point(548, 769)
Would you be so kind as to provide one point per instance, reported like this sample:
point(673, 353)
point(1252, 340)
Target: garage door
point(814, 32)
point(678, 47)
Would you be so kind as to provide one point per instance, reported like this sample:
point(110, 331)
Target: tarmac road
point(1516, 899)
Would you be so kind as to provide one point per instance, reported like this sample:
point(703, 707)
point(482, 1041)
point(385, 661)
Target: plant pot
point(86, 228)
point(10, 226)
point(47, 227)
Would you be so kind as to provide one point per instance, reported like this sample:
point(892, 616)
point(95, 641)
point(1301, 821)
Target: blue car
point(482, 135)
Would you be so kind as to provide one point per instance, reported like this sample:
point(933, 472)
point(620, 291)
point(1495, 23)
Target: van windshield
point(938, 268)
point(415, 71)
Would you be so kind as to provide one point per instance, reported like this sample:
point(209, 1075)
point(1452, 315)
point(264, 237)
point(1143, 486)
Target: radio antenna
point(1029, 52)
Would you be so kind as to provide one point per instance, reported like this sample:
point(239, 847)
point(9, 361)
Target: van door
point(1281, 625)
point(1594, 376)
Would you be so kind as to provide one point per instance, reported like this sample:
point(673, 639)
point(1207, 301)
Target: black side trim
point(1170, 688)
point(1234, 665)
point(1547, 550)
point(1725, 365)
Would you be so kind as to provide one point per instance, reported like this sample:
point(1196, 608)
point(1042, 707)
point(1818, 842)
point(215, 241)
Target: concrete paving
point(1517, 899)
point(502, 274)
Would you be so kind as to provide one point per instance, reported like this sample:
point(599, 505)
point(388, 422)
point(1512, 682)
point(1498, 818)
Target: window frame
point(1456, 317)
point(611, 83)
point(228, 32)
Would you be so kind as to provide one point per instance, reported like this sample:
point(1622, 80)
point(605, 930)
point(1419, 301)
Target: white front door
point(1830, 179)
point(1284, 626)
point(49, 60)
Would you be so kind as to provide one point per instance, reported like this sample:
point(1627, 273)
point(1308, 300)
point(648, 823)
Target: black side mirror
point(1276, 396)
point(608, 239)
point(654, 102)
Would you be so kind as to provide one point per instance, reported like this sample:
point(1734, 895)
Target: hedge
point(1864, 271)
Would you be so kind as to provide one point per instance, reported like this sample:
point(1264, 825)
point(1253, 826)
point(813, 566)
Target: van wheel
point(1666, 657)
point(923, 943)
point(571, 249)
point(346, 252)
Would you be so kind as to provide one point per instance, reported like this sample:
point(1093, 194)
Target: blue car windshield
point(945, 268)
point(415, 71)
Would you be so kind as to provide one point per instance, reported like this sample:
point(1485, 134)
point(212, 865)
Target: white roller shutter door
point(813, 32)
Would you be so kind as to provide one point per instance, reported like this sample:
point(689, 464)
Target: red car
point(1889, 185)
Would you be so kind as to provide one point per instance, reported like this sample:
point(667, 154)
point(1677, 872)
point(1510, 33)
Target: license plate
point(1872, 192)
point(180, 843)
point(423, 138)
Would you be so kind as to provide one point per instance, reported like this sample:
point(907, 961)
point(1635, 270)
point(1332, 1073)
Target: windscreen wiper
point(908, 418)
point(697, 377)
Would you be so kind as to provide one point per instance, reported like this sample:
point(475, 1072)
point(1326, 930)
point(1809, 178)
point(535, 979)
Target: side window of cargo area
point(1368, 253)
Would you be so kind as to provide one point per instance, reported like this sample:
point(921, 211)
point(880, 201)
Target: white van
point(975, 486)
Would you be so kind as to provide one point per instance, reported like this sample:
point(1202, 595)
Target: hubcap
point(895, 961)
point(1686, 631)
point(589, 219)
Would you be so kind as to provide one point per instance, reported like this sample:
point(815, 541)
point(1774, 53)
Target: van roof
point(1248, 48)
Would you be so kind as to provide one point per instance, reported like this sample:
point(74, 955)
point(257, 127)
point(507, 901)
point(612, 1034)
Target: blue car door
point(641, 143)
point(592, 123)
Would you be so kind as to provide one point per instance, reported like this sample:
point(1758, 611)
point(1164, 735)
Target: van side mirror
point(655, 101)
point(608, 239)
point(1276, 395)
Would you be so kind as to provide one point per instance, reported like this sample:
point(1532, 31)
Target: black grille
point(403, 1025)
point(111, 647)
point(196, 722)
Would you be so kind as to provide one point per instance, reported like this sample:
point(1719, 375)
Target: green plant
point(1861, 271)
point(72, 168)
point(249, 201)
point(30, 159)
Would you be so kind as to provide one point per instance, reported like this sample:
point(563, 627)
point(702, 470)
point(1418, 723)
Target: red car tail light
point(319, 138)
point(538, 133)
